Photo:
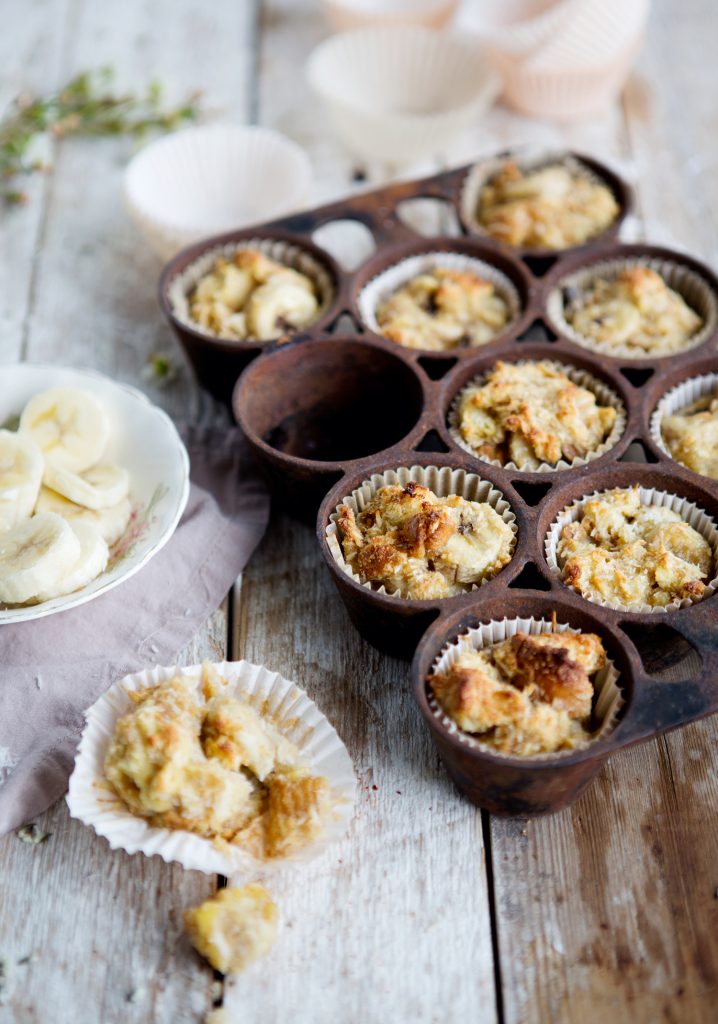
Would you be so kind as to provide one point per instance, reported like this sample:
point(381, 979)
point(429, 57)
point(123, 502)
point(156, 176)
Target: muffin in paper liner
point(528, 159)
point(92, 801)
point(379, 288)
point(286, 253)
point(608, 701)
point(442, 481)
point(696, 292)
point(604, 394)
point(687, 510)
point(677, 400)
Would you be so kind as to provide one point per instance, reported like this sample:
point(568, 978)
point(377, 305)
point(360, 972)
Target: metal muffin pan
point(324, 411)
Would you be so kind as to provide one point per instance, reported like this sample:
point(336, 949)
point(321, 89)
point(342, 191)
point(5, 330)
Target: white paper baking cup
point(604, 394)
point(442, 481)
point(608, 696)
point(527, 159)
point(344, 15)
point(519, 27)
point(384, 284)
point(689, 285)
point(213, 178)
point(286, 253)
point(677, 400)
point(400, 93)
point(686, 509)
point(92, 801)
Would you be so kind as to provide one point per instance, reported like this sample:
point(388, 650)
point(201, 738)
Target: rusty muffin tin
point(324, 411)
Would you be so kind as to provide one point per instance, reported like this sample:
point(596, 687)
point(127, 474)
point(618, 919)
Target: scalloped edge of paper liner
point(678, 399)
point(281, 701)
point(527, 158)
point(687, 510)
point(605, 395)
point(384, 284)
point(696, 292)
point(442, 481)
point(609, 697)
point(288, 254)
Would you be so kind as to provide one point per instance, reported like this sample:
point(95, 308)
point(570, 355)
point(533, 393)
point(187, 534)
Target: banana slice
point(277, 305)
point(69, 425)
point(91, 561)
point(101, 486)
point(111, 522)
point(20, 475)
point(35, 555)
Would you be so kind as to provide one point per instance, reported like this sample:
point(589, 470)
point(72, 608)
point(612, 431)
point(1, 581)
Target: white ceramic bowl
point(213, 178)
point(145, 441)
point(400, 94)
point(344, 15)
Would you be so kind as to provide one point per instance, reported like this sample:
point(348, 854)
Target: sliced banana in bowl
point(92, 484)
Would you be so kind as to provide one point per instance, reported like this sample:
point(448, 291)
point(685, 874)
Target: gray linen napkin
point(52, 669)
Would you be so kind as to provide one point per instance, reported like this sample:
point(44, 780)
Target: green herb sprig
point(86, 106)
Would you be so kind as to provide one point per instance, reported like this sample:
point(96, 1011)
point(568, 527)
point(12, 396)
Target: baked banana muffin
point(624, 552)
point(636, 312)
point(551, 207)
point(691, 435)
point(252, 296)
point(421, 546)
point(531, 413)
point(530, 694)
point(234, 927)
point(209, 763)
point(443, 309)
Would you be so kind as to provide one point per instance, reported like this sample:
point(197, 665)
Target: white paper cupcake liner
point(687, 510)
point(442, 481)
point(288, 708)
point(677, 400)
point(521, 30)
point(346, 15)
point(689, 285)
point(388, 281)
point(286, 253)
point(604, 394)
point(608, 701)
point(528, 159)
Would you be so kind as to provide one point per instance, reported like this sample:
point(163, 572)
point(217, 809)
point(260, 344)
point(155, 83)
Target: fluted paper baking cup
point(604, 394)
point(696, 292)
point(687, 510)
point(442, 481)
point(520, 27)
point(388, 281)
point(345, 15)
point(608, 696)
point(527, 159)
point(286, 253)
point(288, 708)
point(679, 400)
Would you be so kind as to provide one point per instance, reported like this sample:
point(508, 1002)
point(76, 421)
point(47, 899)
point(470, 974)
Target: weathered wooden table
point(429, 911)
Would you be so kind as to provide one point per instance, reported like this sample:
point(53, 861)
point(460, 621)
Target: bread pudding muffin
point(624, 552)
point(234, 927)
point(531, 413)
point(636, 313)
point(442, 309)
point(549, 207)
point(211, 764)
point(418, 545)
point(691, 435)
point(252, 297)
point(526, 695)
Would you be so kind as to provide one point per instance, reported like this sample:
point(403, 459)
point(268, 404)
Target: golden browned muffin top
point(419, 545)
point(635, 312)
point(628, 553)
point(691, 435)
point(530, 694)
point(253, 296)
point(531, 413)
point(443, 309)
point(552, 207)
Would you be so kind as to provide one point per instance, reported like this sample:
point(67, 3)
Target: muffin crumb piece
point(234, 927)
